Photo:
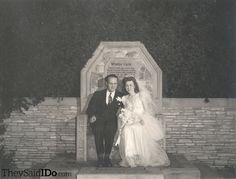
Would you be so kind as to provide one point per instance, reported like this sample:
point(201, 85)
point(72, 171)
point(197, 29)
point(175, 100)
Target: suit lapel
point(104, 97)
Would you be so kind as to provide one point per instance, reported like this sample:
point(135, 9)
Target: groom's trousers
point(104, 132)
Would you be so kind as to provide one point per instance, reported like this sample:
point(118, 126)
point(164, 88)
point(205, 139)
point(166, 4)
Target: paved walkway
point(67, 164)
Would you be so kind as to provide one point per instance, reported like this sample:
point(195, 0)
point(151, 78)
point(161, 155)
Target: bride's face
point(129, 86)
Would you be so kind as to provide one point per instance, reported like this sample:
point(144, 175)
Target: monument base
point(119, 173)
point(138, 173)
point(180, 168)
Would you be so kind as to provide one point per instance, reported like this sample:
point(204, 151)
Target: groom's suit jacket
point(103, 112)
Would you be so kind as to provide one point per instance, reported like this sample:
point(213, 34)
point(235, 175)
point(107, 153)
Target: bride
point(139, 131)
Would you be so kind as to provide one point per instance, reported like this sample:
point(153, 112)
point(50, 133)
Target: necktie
point(109, 99)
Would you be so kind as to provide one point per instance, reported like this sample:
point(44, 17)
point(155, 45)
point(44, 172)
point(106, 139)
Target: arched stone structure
point(122, 59)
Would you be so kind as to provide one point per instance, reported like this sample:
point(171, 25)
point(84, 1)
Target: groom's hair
point(110, 76)
point(130, 78)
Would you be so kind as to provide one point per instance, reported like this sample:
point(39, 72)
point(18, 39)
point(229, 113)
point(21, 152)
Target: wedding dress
point(139, 133)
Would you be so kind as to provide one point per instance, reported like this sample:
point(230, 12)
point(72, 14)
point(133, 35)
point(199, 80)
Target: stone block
point(53, 137)
point(226, 155)
point(200, 111)
point(220, 162)
point(232, 162)
point(199, 125)
point(189, 113)
point(231, 112)
point(49, 143)
point(28, 129)
point(171, 113)
point(42, 148)
point(29, 133)
point(42, 129)
point(202, 157)
point(19, 121)
point(71, 138)
point(206, 132)
point(168, 119)
point(181, 117)
point(209, 148)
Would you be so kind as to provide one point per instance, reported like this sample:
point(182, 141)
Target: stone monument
point(122, 59)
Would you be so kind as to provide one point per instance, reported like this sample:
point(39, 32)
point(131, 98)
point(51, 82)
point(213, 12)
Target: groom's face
point(111, 84)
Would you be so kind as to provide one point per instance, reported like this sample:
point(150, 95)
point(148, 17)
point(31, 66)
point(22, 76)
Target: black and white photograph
point(110, 89)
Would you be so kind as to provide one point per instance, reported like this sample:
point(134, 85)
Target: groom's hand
point(142, 122)
point(92, 119)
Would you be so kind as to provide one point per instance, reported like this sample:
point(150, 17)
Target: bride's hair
point(130, 78)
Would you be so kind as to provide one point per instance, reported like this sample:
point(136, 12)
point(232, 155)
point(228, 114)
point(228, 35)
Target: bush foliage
point(45, 44)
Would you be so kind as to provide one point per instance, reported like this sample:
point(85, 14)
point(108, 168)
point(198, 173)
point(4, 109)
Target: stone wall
point(203, 131)
point(42, 132)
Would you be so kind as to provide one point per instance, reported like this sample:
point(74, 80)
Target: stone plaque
point(121, 68)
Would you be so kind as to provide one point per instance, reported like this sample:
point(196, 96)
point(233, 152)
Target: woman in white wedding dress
point(139, 130)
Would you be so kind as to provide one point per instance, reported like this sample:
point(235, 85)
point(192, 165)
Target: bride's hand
point(118, 111)
point(142, 122)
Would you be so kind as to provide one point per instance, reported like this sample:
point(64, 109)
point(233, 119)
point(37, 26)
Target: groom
point(102, 111)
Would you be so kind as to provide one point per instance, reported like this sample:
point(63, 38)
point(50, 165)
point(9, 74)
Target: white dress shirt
point(107, 96)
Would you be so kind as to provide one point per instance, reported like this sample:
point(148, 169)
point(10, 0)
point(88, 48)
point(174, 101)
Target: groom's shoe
point(107, 162)
point(100, 163)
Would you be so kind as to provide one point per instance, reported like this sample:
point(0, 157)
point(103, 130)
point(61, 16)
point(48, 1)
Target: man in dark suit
point(102, 110)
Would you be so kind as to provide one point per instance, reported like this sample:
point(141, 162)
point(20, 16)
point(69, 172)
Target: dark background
point(45, 43)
